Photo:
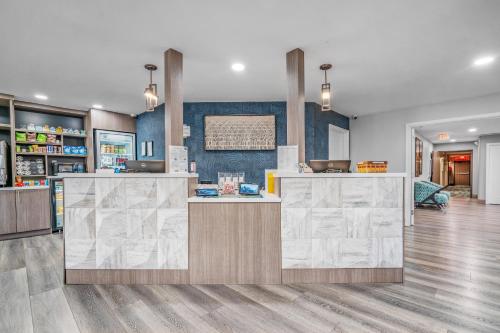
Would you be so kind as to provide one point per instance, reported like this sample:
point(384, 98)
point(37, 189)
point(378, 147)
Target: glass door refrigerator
point(112, 149)
point(56, 191)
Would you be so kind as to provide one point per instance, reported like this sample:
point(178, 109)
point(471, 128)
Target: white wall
point(483, 140)
point(475, 158)
point(426, 157)
point(381, 136)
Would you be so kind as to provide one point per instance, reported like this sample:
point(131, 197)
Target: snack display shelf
point(39, 143)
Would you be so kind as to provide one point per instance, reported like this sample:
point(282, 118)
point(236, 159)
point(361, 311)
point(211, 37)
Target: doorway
point(453, 170)
point(338, 143)
point(492, 174)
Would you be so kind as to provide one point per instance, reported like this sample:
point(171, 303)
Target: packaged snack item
point(41, 137)
point(51, 138)
point(46, 128)
point(21, 136)
point(67, 149)
point(31, 136)
point(59, 130)
point(38, 128)
point(31, 127)
point(74, 150)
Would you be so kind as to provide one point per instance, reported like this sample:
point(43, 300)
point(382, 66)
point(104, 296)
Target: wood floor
point(452, 284)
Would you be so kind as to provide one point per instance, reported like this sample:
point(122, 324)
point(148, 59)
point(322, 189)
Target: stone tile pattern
point(126, 223)
point(342, 222)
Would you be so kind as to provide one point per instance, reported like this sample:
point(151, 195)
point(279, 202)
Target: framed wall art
point(240, 132)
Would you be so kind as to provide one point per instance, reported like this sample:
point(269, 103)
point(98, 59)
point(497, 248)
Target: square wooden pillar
point(174, 100)
point(295, 102)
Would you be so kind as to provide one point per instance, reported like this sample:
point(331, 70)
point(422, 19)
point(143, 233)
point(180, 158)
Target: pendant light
point(151, 92)
point(326, 104)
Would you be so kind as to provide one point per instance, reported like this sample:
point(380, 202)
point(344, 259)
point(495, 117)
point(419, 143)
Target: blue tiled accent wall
point(150, 127)
point(252, 163)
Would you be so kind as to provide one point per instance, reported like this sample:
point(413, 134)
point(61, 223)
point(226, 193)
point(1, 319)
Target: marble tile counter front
point(117, 222)
point(342, 222)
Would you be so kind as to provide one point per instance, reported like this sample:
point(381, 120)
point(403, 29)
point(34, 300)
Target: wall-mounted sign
point(443, 136)
point(186, 131)
point(240, 132)
point(147, 148)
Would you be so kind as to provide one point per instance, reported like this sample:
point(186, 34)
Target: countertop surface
point(265, 197)
point(24, 188)
point(291, 174)
point(127, 175)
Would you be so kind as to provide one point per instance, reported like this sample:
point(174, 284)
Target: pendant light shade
point(151, 91)
point(326, 97)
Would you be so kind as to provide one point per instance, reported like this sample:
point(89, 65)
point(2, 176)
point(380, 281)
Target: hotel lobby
point(266, 166)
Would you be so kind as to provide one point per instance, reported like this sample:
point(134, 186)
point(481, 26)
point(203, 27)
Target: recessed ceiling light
point(41, 96)
point(483, 61)
point(238, 67)
point(453, 140)
point(472, 130)
point(97, 106)
point(132, 115)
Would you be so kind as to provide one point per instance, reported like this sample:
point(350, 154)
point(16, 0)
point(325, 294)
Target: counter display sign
point(240, 132)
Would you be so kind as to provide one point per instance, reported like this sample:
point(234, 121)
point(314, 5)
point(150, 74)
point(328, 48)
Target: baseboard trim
point(126, 276)
point(342, 275)
point(26, 234)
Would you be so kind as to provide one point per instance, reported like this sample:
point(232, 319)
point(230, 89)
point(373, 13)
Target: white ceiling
point(388, 54)
point(460, 130)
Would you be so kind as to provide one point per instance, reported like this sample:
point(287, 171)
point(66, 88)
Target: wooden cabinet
point(7, 212)
point(33, 210)
point(24, 211)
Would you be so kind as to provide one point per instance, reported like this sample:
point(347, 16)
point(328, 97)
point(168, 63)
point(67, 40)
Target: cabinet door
point(7, 212)
point(33, 210)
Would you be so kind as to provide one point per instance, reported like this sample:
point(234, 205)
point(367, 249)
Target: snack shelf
point(39, 143)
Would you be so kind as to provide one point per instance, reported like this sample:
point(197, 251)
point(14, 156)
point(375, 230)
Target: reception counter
point(150, 229)
point(126, 228)
point(341, 227)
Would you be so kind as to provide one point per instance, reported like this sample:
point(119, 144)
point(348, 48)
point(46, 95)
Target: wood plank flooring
point(452, 284)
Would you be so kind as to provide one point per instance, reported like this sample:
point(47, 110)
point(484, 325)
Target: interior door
point(436, 167)
point(462, 173)
point(493, 173)
point(338, 143)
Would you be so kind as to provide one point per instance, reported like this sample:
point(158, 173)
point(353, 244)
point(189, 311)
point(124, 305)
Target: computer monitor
point(153, 166)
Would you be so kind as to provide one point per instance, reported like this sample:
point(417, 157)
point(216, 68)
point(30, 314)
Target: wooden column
point(173, 101)
point(295, 101)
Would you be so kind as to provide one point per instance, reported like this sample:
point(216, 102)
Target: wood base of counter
point(234, 243)
point(126, 276)
point(342, 275)
point(26, 234)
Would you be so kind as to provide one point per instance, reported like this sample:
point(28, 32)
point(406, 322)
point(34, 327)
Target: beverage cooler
point(112, 149)
point(56, 194)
